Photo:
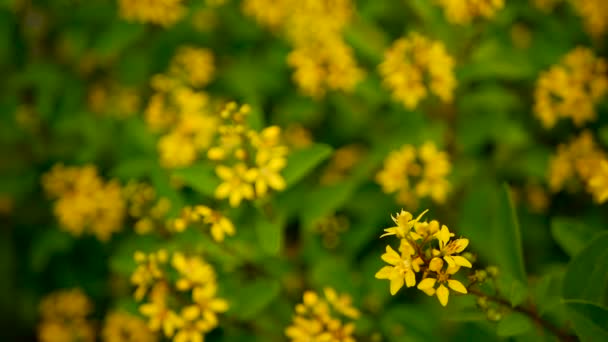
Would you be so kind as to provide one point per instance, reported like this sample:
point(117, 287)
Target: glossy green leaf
point(513, 324)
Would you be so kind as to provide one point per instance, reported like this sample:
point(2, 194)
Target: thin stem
point(530, 312)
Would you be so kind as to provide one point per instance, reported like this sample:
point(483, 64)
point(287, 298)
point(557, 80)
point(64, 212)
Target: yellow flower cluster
point(594, 14)
point(464, 11)
point(321, 58)
point(250, 162)
point(64, 317)
point(323, 318)
point(84, 201)
point(181, 112)
point(143, 205)
point(580, 158)
point(415, 66)
point(185, 309)
point(219, 225)
point(161, 12)
point(416, 173)
point(571, 89)
point(426, 248)
point(124, 327)
point(113, 100)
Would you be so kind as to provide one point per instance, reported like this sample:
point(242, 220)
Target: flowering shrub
point(304, 170)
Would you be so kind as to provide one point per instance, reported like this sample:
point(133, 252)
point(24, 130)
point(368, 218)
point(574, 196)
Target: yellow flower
point(159, 315)
point(594, 14)
point(448, 248)
point(598, 183)
point(237, 183)
point(64, 317)
point(409, 62)
point(85, 203)
point(220, 224)
point(464, 11)
point(268, 175)
point(317, 319)
point(205, 300)
point(403, 267)
point(571, 89)
point(123, 327)
point(404, 223)
point(193, 64)
point(193, 271)
point(427, 285)
point(162, 12)
point(148, 271)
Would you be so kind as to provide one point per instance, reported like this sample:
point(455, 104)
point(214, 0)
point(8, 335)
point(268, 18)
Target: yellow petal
point(462, 261)
point(223, 190)
point(276, 182)
point(391, 256)
point(456, 286)
point(396, 284)
point(224, 172)
point(410, 278)
point(427, 283)
point(436, 265)
point(385, 272)
point(442, 294)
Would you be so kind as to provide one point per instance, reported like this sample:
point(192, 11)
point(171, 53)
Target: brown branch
point(530, 312)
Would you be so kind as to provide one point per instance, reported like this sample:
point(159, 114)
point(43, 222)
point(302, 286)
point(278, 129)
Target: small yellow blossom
point(318, 319)
point(571, 89)
point(148, 271)
point(464, 11)
point(417, 254)
point(415, 66)
point(402, 269)
point(580, 159)
point(124, 327)
point(594, 14)
point(448, 248)
point(427, 285)
point(236, 184)
point(193, 271)
point(161, 317)
point(598, 182)
point(85, 203)
point(64, 317)
point(416, 173)
point(162, 12)
point(194, 65)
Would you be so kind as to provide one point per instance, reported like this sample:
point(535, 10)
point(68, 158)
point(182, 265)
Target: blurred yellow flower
point(318, 319)
point(571, 89)
point(124, 327)
point(415, 66)
point(464, 11)
point(64, 317)
point(237, 183)
point(84, 202)
point(162, 12)
point(594, 14)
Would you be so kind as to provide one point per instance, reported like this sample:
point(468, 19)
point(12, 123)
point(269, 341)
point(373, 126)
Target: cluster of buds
point(428, 256)
point(145, 206)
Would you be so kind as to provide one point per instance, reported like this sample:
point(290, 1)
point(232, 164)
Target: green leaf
point(570, 234)
point(302, 162)
point(200, 177)
point(269, 234)
point(253, 297)
point(513, 324)
point(324, 201)
point(517, 293)
point(51, 242)
point(587, 274)
point(590, 320)
point(507, 238)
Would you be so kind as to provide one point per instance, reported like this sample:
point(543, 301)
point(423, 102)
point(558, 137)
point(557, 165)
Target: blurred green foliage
point(52, 52)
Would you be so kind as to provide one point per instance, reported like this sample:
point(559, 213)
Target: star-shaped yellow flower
point(427, 285)
point(403, 267)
